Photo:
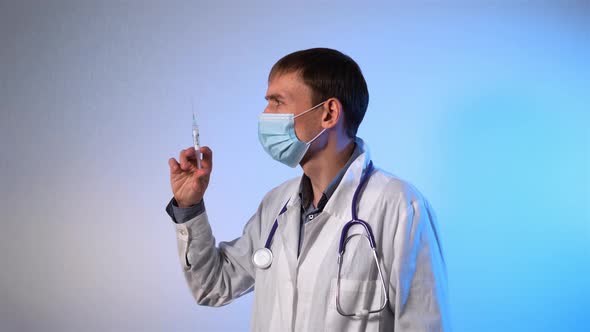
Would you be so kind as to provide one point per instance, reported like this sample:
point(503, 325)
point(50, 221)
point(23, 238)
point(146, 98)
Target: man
point(317, 99)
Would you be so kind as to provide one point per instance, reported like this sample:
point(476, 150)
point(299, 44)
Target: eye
point(274, 101)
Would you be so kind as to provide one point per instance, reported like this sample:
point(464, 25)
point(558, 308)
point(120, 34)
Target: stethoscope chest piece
point(262, 258)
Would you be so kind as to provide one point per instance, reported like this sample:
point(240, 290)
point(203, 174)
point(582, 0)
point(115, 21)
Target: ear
point(332, 113)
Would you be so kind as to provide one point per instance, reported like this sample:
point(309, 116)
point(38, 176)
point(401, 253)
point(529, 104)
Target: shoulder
point(401, 202)
point(392, 189)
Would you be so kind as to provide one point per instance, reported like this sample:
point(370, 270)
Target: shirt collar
point(306, 192)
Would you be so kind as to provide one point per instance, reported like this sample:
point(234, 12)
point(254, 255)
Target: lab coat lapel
point(340, 204)
point(289, 234)
point(283, 268)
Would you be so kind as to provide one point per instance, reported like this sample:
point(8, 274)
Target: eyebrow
point(274, 96)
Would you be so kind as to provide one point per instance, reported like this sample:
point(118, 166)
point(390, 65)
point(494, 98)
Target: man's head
point(328, 73)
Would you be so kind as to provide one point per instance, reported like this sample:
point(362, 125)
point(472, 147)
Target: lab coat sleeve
point(418, 292)
point(181, 215)
point(216, 274)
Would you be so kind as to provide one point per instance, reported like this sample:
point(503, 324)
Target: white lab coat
point(299, 293)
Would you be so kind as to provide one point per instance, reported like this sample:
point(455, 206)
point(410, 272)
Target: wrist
point(184, 204)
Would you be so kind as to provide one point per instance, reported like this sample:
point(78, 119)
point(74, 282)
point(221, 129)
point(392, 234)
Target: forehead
point(290, 85)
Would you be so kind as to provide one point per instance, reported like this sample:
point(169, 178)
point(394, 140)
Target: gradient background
point(483, 106)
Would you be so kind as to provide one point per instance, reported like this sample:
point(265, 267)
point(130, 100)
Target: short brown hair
point(330, 74)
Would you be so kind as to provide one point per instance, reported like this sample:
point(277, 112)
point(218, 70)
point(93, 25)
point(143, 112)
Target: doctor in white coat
point(344, 247)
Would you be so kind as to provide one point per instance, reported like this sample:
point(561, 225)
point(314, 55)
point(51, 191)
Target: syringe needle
point(196, 140)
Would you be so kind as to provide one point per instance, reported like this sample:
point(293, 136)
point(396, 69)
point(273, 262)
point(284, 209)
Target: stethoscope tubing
point(355, 220)
point(271, 235)
point(263, 257)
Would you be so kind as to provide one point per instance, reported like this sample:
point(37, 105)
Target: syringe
point(196, 140)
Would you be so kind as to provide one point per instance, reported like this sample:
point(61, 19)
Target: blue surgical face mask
point(276, 133)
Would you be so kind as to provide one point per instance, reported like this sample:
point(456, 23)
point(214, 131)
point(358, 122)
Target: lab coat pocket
point(354, 297)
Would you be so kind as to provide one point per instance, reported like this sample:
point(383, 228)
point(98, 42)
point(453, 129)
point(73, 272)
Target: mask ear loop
point(316, 136)
point(309, 110)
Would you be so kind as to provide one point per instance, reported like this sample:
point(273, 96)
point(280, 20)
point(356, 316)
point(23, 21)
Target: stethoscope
point(262, 258)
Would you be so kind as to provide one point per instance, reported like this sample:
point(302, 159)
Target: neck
point(326, 163)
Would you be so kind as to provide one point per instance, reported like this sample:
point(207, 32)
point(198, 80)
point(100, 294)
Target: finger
point(187, 159)
point(207, 161)
point(174, 166)
point(191, 152)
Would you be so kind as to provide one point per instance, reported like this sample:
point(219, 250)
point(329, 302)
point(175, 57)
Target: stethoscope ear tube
point(344, 234)
point(355, 220)
point(361, 312)
point(263, 257)
point(355, 197)
point(371, 238)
